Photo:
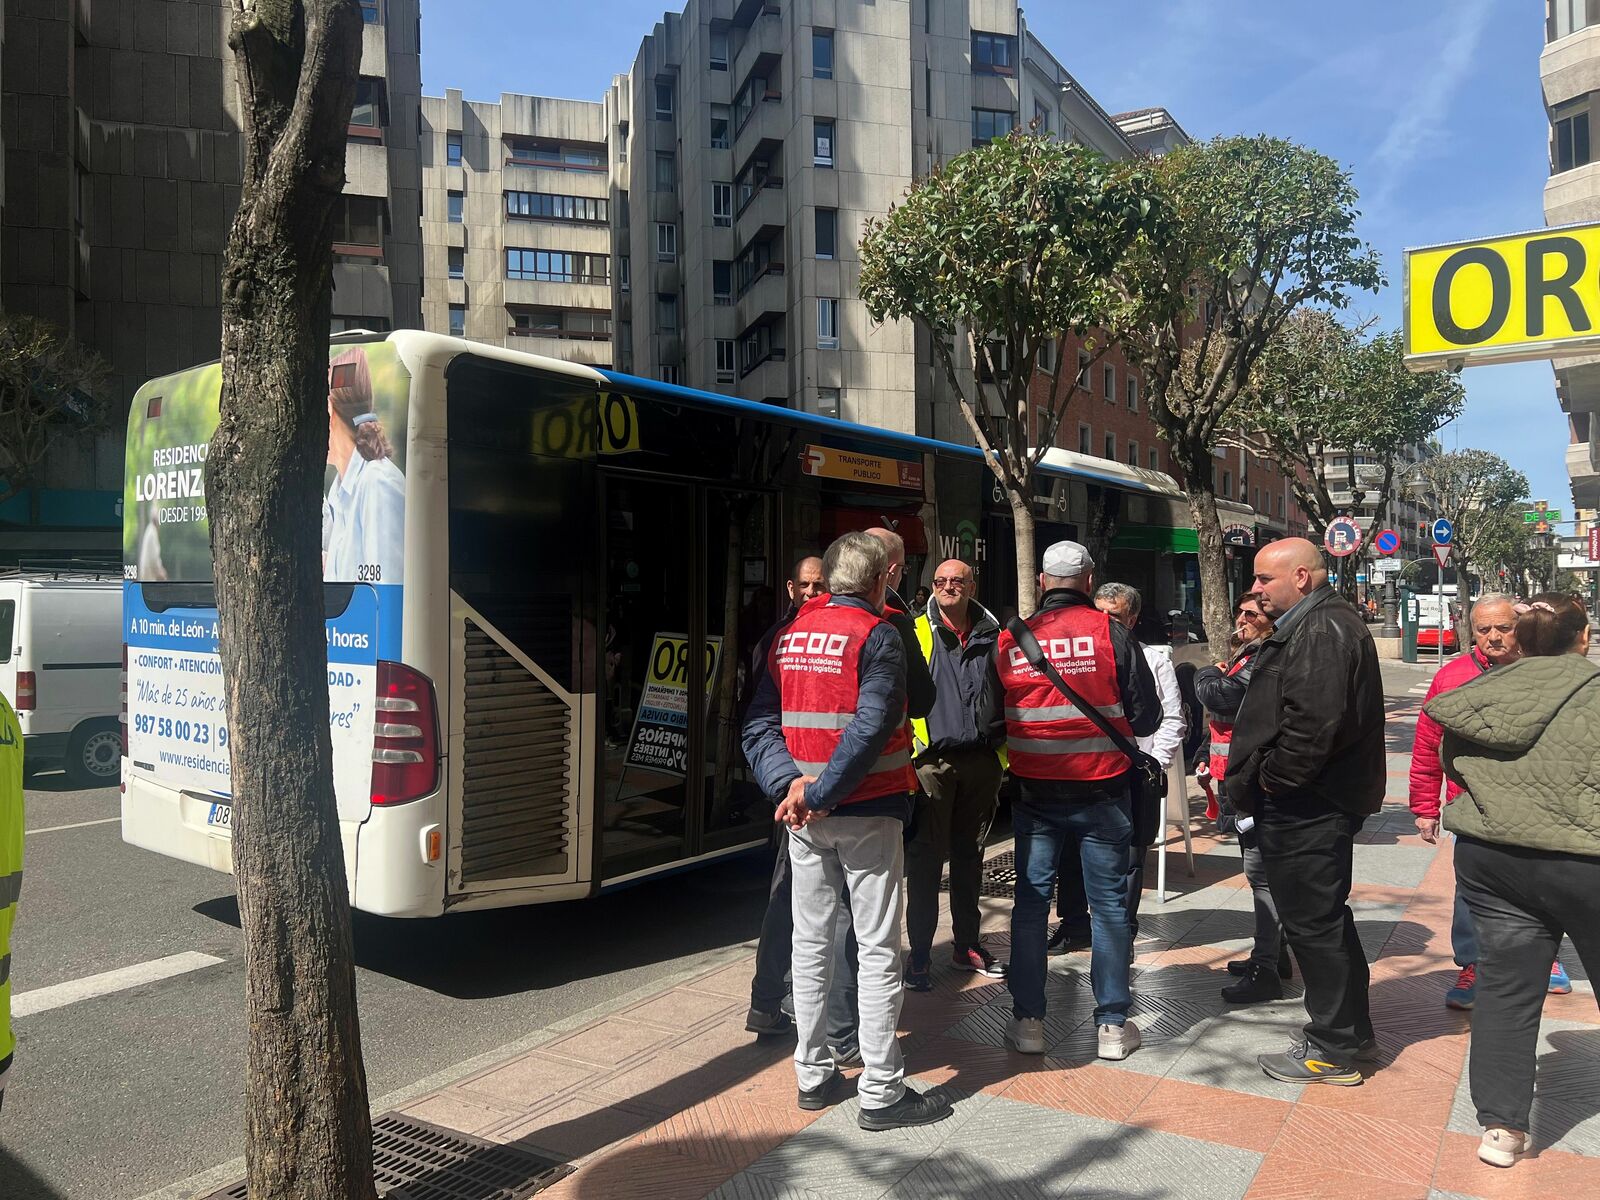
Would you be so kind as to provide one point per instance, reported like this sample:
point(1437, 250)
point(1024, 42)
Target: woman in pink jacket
point(1494, 644)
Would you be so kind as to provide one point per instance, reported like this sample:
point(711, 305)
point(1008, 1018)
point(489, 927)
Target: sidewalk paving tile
point(1566, 1102)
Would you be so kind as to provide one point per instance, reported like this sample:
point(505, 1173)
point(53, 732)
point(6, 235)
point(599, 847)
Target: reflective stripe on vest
point(1047, 737)
point(816, 663)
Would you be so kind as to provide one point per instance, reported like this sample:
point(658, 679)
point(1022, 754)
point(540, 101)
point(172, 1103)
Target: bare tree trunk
point(1215, 605)
point(308, 1128)
point(1027, 572)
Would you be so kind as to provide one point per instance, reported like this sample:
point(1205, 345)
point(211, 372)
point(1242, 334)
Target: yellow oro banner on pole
point(1505, 299)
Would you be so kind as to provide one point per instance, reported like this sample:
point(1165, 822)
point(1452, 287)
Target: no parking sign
point(1343, 537)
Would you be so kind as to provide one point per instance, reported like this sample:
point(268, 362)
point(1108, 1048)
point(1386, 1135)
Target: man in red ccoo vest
point(826, 731)
point(1074, 785)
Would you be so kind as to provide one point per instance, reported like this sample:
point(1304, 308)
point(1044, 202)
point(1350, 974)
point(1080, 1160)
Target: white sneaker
point(1118, 1041)
point(1025, 1035)
point(1502, 1147)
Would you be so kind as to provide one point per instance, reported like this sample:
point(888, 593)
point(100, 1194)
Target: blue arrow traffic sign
point(1443, 531)
point(1387, 542)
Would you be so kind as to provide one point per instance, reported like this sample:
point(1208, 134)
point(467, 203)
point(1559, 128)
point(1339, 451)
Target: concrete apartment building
point(516, 233)
point(1569, 74)
point(123, 164)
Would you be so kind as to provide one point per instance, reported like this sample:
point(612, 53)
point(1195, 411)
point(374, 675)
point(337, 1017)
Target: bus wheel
point(94, 755)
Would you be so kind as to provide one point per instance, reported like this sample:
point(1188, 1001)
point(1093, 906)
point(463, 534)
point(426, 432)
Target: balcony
point(1578, 384)
point(769, 293)
point(1570, 66)
point(767, 123)
point(1584, 474)
point(1573, 196)
point(590, 349)
point(767, 208)
point(764, 39)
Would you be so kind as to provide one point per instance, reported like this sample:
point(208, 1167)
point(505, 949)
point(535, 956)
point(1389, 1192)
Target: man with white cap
point(1074, 786)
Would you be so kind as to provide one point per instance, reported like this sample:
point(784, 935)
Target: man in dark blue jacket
point(960, 776)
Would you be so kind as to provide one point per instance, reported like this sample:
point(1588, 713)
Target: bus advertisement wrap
point(177, 714)
point(660, 738)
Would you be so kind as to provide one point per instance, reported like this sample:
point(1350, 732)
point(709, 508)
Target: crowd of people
point(883, 733)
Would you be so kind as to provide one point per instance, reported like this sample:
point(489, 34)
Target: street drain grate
point(413, 1160)
point(999, 876)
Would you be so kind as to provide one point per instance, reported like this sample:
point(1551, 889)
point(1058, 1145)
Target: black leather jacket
point(1311, 729)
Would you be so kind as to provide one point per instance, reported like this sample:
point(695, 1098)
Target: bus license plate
point(221, 816)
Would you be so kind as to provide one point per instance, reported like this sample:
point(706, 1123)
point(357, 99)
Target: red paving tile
point(576, 1127)
point(639, 1171)
point(1549, 1175)
point(1091, 1089)
point(1367, 1144)
point(731, 1131)
point(1290, 1177)
point(1210, 1114)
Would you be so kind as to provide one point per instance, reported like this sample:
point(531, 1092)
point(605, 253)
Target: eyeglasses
point(1246, 615)
point(953, 581)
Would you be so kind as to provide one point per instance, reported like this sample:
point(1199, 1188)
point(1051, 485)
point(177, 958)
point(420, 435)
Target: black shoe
point(1304, 1063)
point(1259, 985)
point(765, 1024)
point(826, 1094)
point(1368, 1051)
point(1241, 966)
point(1065, 941)
point(919, 972)
point(913, 1108)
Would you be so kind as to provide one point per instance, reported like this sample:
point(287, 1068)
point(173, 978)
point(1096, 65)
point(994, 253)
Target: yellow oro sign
point(827, 462)
point(605, 424)
point(1507, 299)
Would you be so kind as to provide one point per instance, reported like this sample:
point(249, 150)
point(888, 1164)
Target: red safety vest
point(1047, 737)
point(816, 663)
point(1222, 731)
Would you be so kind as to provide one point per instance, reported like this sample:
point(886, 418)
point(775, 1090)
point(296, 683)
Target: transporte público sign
point(1504, 299)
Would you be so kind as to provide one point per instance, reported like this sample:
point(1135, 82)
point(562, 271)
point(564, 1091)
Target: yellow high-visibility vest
point(10, 867)
point(919, 725)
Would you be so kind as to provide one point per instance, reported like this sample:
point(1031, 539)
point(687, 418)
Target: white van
point(61, 669)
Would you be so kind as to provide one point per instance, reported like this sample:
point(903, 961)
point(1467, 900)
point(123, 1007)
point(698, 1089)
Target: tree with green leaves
point(1257, 228)
point(1477, 491)
point(50, 387)
point(1322, 392)
point(308, 1131)
point(1011, 247)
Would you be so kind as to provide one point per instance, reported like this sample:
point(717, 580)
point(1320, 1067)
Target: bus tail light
point(27, 691)
point(122, 719)
point(405, 736)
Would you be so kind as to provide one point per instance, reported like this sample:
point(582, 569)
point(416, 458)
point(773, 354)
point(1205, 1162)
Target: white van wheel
point(94, 756)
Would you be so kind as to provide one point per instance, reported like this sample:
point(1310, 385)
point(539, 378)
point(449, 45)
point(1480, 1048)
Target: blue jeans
point(1100, 820)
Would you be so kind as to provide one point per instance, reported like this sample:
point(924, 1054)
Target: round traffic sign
point(1443, 531)
point(1387, 541)
point(1343, 537)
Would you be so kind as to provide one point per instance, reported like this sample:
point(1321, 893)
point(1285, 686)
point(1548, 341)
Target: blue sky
point(1435, 108)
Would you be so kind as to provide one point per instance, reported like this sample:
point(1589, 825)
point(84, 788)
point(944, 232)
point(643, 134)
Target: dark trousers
point(775, 952)
point(1522, 901)
point(1072, 902)
point(1307, 849)
point(960, 789)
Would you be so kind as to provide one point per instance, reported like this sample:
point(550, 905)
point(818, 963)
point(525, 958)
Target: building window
point(828, 401)
point(1569, 139)
point(1085, 434)
point(994, 53)
point(457, 262)
point(1133, 394)
point(758, 259)
point(1280, 504)
point(663, 101)
point(721, 126)
point(719, 48)
point(758, 173)
point(343, 324)
point(721, 283)
point(545, 206)
point(1133, 454)
point(822, 54)
point(554, 156)
point(1111, 446)
point(827, 232)
point(358, 230)
point(991, 123)
point(666, 242)
point(1047, 355)
point(666, 172)
point(1155, 459)
point(585, 324)
point(624, 272)
point(557, 266)
point(669, 374)
point(1227, 484)
point(759, 88)
point(827, 324)
point(1568, 16)
point(822, 143)
point(1083, 370)
point(722, 204)
point(667, 312)
point(727, 360)
point(453, 203)
point(621, 141)
point(762, 343)
point(458, 320)
point(452, 149)
point(368, 116)
point(372, 11)
point(1041, 118)
point(1108, 382)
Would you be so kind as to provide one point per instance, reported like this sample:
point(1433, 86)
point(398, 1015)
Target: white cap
point(1067, 560)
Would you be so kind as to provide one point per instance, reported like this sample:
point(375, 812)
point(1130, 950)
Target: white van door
point(10, 625)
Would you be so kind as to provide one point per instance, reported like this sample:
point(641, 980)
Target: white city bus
point(523, 560)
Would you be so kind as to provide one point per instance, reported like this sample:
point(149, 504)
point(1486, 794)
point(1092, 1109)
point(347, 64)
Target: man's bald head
point(1286, 571)
point(896, 546)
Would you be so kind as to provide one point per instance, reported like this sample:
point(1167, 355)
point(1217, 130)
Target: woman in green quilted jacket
point(1521, 742)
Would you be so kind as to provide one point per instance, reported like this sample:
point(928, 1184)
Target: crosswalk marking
point(61, 994)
